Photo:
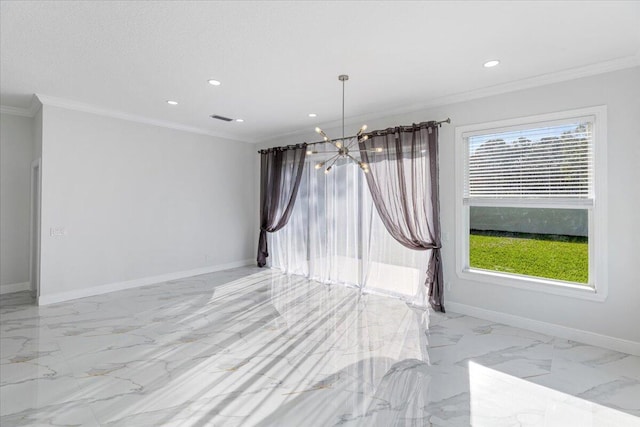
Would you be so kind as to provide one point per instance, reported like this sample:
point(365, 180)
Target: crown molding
point(100, 111)
point(528, 83)
point(35, 106)
point(540, 80)
point(24, 112)
point(575, 73)
point(15, 111)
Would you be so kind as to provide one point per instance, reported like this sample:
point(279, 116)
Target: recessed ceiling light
point(214, 82)
point(491, 63)
point(313, 115)
point(239, 120)
point(172, 102)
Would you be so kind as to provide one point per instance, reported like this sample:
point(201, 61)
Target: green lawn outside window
point(553, 257)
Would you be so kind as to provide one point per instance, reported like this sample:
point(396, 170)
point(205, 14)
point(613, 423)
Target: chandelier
point(342, 145)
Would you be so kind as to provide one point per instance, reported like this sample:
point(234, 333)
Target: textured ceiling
point(278, 61)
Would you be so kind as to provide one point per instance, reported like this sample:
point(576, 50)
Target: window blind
point(539, 163)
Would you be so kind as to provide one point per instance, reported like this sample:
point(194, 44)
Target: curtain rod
point(434, 123)
point(448, 120)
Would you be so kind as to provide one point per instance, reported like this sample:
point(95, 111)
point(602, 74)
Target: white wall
point(619, 315)
point(16, 152)
point(138, 201)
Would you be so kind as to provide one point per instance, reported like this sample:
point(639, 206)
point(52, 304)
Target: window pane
point(539, 242)
point(547, 162)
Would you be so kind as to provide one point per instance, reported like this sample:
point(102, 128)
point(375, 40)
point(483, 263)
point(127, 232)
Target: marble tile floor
point(251, 347)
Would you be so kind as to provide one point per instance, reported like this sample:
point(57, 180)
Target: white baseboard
point(15, 287)
point(135, 283)
point(586, 337)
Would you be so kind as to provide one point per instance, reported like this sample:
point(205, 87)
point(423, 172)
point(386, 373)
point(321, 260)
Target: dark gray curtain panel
point(403, 181)
point(280, 175)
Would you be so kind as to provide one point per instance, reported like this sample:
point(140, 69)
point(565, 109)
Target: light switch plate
point(57, 231)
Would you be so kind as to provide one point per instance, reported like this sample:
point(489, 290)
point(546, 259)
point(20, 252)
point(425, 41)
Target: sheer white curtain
point(335, 235)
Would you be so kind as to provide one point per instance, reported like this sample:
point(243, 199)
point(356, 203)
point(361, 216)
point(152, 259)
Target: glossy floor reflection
point(254, 347)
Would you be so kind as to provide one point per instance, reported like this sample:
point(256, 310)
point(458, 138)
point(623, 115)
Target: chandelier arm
point(364, 166)
point(335, 159)
point(325, 162)
point(352, 158)
point(358, 162)
point(353, 140)
point(333, 142)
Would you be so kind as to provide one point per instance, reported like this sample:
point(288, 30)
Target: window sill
point(553, 287)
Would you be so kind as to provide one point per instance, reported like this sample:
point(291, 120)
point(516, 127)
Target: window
point(531, 202)
point(335, 235)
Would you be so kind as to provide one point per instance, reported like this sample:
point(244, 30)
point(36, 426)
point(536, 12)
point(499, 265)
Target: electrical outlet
point(57, 231)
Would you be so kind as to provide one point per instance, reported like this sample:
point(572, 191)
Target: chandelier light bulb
point(339, 144)
point(363, 128)
point(364, 138)
point(319, 165)
point(326, 138)
point(379, 150)
point(309, 152)
point(318, 130)
point(327, 170)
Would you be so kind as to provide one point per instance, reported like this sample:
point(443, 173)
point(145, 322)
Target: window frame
point(596, 289)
